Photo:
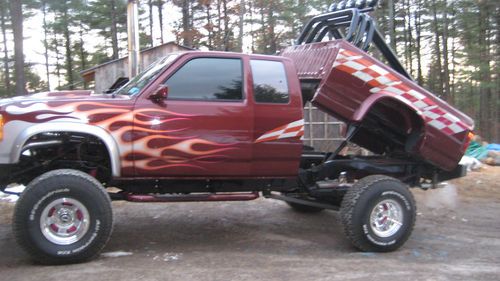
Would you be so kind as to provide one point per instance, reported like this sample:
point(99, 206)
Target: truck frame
point(234, 143)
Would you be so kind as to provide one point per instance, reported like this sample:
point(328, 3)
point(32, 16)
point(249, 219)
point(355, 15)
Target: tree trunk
point(186, 28)
point(210, 27)
point(69, 55)
point(446, 67)
point(16, 15)
point(418, 27)
point(406, 40)
point(241, 25)
point(46, 43)
point(150, 6)
point(218, 43)
point(3, 19)
point(409, 38)
point(437, 49)
point(496, 99)
point(271, 20)
point(226, 25)
point(58, 64)
point(484, 70)
point(453, 60)
point(392, 25)
point(83, 62)
point(160, 17)
point(264, 34)
point(114, 29)
point(252, 32)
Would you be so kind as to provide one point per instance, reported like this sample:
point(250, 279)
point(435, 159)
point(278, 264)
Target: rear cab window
point(207, 79)
point(270, 84)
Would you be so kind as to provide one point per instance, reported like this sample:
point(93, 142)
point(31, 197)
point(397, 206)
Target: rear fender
point(405, 117)
point(374, 99)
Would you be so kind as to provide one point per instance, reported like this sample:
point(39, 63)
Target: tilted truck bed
point(393, 111)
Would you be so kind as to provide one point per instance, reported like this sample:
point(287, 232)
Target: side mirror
point(160, 95)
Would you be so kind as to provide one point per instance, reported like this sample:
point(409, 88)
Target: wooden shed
point(104, 75)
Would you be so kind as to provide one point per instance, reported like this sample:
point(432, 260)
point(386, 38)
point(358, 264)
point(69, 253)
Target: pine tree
point(16, 15)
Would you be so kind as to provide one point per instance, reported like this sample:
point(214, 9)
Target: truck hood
point(59, 96)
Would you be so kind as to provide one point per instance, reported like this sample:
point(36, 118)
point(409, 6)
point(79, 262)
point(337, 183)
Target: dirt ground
point(456, 237)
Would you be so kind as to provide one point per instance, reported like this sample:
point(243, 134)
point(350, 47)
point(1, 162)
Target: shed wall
point(107, 74)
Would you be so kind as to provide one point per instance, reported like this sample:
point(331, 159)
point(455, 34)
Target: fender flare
point(98, 132)
point(373, 99)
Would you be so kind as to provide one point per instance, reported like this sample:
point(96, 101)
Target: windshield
point(134, 86)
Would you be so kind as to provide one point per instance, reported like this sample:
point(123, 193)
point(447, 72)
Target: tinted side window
point(269, 81)
point(207, 79)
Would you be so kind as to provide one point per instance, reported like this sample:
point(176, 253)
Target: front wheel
point(378, 214)
point(63, 216)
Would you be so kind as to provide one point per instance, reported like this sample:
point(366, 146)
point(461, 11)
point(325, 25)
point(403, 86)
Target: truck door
point(205, 125)
point(279, 123)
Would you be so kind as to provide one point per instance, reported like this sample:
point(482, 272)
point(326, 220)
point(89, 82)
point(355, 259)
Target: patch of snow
point(445, 197)
point(169, 257)
point(116, 254)
point(471, 163)
point(11, 198)
point(19, 188)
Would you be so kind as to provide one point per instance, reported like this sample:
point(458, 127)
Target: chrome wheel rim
point(64, 221)
point(386, 218)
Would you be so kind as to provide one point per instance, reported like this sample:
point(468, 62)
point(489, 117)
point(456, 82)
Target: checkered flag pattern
point(291, 130)
point(379, 79)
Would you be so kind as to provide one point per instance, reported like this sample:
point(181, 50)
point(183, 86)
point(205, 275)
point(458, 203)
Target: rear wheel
point(63, 216)
point(378, 214)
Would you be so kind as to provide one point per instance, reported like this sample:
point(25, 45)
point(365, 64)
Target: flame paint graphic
point(141, 145)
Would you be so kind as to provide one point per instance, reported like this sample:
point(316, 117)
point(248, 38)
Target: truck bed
point(395, 115)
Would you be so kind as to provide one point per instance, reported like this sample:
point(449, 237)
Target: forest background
point(450, 47)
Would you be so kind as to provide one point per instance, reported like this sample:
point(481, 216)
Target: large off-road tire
point(378, 214)
point(63, 216)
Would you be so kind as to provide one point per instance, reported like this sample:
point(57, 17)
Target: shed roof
point(88, 74)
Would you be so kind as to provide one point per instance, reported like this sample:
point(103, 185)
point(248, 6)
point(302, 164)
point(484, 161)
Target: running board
point(300, 201)
point(143, 198)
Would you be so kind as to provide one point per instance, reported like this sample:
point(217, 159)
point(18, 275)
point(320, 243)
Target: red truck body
point(223, 134)
point(168, 147)
point(182, 138)
point(352, 82)
point(218, 126)
point(247, 139)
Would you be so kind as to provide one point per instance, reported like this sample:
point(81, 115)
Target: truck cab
point(214, 109)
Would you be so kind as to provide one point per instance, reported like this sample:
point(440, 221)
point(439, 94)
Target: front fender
point(72, 127)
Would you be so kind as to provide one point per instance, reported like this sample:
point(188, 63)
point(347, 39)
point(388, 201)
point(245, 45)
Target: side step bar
point(186, 197)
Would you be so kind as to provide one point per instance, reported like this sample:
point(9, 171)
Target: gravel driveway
point(456, 237)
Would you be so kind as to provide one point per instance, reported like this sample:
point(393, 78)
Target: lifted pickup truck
point(217, 126)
